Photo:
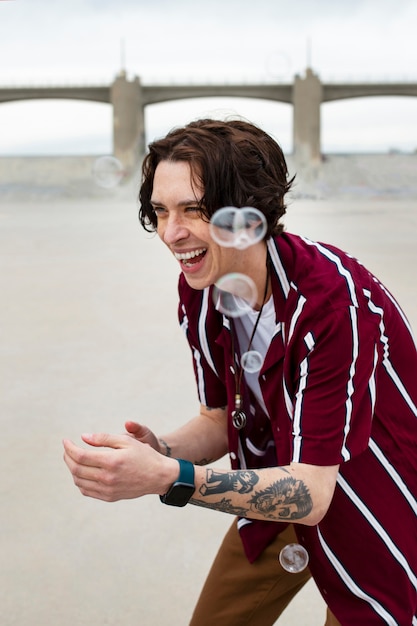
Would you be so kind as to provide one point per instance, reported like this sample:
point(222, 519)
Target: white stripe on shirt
point(279, 268)
point(350, 385)
point(352, 586)
point(381, 532)
point(393, 474)
point(386, 360)
point(299, 308)
point(200, 377)
point(202, 335)
point(296, 429)
point(341, 269)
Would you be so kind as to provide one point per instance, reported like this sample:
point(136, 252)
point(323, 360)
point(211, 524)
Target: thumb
point(138, 430)
point(104, 440)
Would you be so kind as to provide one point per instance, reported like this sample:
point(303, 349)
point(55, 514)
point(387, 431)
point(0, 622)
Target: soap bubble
point(293, 558)
point(234, 294)
point(237, 228)
point(107, 172)
point(251, 361)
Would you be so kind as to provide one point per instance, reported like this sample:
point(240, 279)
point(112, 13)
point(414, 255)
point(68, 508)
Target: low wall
point(341, 176)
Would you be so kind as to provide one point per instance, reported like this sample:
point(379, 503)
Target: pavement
point(89, 339)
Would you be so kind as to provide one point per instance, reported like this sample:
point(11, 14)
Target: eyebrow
point(185, 202)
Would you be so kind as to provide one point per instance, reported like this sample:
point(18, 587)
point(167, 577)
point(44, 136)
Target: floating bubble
point(293, 558)
point(237, 228)
point(107, 172)
point(251, 361)
point(234, 294)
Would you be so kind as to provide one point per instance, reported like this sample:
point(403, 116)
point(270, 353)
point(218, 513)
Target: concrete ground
point(89, 338)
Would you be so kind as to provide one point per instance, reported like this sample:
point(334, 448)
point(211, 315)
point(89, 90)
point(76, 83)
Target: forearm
point(116, 467)
point(202, 440)
point(296, 493)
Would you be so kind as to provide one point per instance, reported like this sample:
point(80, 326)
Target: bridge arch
point(38, 118)
point(274, 117)
point(345, 125)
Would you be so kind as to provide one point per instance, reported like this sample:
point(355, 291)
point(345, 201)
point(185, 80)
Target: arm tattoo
point(224, 506)
point(168, 451)
point(286, 499)
point(219, 482)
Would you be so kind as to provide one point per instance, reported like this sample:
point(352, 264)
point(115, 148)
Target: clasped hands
point(120, 467)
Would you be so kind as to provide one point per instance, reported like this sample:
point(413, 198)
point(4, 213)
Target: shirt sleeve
point(201, 327)
point(330, 376)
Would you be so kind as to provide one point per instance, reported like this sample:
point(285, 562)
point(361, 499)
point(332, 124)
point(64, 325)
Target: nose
point(173, 230)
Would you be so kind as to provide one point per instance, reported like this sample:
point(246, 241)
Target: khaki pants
point(237, 593)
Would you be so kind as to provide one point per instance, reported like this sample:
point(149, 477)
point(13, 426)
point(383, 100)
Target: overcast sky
point(88, 41)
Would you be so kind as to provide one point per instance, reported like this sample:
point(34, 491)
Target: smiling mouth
point(190, 258)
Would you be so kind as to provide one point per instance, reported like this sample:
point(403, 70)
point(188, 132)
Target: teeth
point(184, 256)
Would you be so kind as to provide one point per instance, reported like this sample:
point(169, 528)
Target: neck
point(262, 280)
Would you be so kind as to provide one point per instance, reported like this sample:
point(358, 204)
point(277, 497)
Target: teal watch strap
point(186, 472)
point(182, 490)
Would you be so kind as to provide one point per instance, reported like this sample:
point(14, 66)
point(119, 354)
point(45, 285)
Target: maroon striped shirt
point(339, 383)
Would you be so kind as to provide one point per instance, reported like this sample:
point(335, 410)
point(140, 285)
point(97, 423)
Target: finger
point(91, 481)
point(84, 472)
point(134, 428)
point(93, 489)
point(104, 440)
point(81, 456)
point(95, 482)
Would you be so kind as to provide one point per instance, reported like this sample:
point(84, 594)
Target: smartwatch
point(181, 491)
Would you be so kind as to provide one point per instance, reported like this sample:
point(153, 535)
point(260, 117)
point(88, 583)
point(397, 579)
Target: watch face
point(179, 494)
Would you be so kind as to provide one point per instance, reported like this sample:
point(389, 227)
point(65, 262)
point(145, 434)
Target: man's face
point(180, 226)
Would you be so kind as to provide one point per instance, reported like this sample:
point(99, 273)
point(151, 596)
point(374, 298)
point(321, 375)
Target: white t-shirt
point(260, 343)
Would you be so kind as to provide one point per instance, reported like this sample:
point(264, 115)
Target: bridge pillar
point(128, 121)
point(307, 98)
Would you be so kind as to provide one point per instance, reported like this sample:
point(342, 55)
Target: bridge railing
point(283, 79)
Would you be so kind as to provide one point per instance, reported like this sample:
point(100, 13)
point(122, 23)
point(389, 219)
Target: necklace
point(239, 418)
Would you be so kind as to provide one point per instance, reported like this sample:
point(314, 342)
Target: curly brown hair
point(235, 162)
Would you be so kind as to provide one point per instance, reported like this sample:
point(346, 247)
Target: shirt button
point(233, 456)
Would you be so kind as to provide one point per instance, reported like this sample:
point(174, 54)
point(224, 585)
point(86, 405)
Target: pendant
point(239, 419)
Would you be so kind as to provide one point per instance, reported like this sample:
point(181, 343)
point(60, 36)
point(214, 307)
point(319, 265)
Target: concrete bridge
point(129, 99)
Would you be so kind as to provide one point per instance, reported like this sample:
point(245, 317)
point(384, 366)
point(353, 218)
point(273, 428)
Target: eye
point(159, 211)
point(193, 209)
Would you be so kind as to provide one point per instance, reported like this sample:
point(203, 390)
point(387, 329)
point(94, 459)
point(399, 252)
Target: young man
point(321, 440)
